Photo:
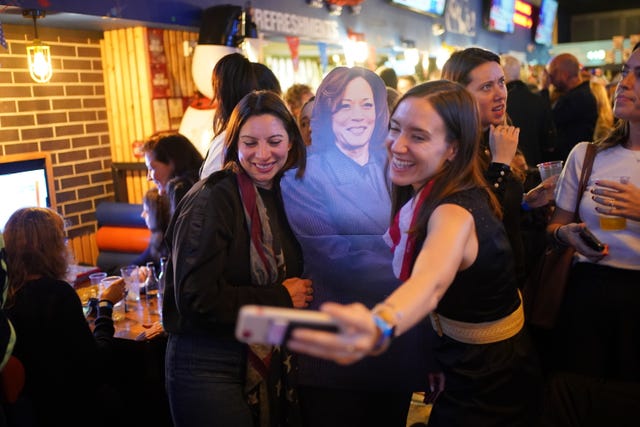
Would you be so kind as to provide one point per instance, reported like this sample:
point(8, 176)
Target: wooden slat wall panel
point(128, 93)
point(118, 104)
point(144, 82)
point(137, 186)
point(85, 249)
point(178, 65)
point(191, 38)
point(169, 40)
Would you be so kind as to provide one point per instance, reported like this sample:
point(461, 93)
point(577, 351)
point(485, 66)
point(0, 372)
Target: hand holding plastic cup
point(549, 169)
point(118, 308)
point(96, 280)
point(610, 222)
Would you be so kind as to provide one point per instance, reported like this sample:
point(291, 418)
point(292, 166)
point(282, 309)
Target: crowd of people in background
point(410, 211)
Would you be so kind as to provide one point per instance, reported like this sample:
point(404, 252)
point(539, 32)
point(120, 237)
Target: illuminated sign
point(522, 14)
point(596, 55)
point(296, 25)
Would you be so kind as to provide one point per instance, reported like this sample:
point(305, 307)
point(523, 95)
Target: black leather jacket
point(208, 275)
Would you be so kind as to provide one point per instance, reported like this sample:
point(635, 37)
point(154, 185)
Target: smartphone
point(259, 324)
point(591, 240)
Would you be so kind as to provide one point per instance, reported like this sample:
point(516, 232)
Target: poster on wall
point(161, 114)
point(158, 64)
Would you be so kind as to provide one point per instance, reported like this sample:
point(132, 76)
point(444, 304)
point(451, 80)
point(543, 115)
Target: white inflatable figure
point(219, 36)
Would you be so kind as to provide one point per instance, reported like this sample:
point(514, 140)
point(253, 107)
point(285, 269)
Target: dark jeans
point(205, 379)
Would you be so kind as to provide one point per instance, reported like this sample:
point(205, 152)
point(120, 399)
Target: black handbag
point(544, 290)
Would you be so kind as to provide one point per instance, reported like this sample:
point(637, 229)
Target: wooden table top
point(142, 318)
point(138, 315)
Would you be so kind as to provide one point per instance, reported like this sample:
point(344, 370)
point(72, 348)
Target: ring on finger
point(611, 203)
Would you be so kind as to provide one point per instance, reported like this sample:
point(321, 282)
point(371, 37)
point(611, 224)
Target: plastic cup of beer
point(118, 312)
point(96, 280)
point(118, 308)
point(613, 222)
point(549, 169)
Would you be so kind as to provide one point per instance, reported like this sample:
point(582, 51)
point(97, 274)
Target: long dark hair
point(329, 95)
point(459, 66)
point(233, 77)
point(159, 212)
point(258, 103)
point(176, 149)
point(459, 112)
point(458, 69)
point(266, 79)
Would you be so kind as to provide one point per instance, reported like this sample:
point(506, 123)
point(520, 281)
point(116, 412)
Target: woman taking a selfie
point(448, 239)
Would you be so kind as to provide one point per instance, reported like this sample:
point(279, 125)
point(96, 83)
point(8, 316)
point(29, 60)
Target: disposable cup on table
point(131, 276)
point(118, 313)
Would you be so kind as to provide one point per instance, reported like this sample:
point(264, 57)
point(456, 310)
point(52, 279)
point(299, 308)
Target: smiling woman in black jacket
point(231, 245)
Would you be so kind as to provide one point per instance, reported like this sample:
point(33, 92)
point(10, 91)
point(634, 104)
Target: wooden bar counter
point(140, 317)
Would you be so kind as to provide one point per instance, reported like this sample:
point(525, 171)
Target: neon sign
point(522, 14)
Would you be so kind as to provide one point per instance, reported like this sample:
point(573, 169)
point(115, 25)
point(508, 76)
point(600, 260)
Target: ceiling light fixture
point(38, 54)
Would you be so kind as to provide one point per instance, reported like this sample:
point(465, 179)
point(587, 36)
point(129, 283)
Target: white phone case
point(272, 325)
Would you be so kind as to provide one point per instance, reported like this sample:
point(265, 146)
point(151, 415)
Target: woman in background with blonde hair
point(604, 124)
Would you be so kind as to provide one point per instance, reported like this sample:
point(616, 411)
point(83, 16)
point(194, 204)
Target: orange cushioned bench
point(122, 235)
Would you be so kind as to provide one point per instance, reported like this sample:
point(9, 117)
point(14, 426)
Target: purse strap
point(587, 165)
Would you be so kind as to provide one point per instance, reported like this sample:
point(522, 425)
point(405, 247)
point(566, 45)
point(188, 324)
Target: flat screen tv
point(25, 180)
point(498, 15)
point(546, 21)
point(427, 7)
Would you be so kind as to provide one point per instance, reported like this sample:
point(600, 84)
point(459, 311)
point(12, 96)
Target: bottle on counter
point(152, 288)
point(161, 281)
point(161, 275)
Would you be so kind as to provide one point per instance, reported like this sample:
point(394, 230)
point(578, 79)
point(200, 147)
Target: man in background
point(531, 113)
point(575, 111)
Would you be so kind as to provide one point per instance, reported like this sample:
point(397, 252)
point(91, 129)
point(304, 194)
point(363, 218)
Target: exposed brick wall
point(66, 117)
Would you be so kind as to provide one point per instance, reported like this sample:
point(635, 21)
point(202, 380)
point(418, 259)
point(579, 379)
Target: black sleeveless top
point(486, 290)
